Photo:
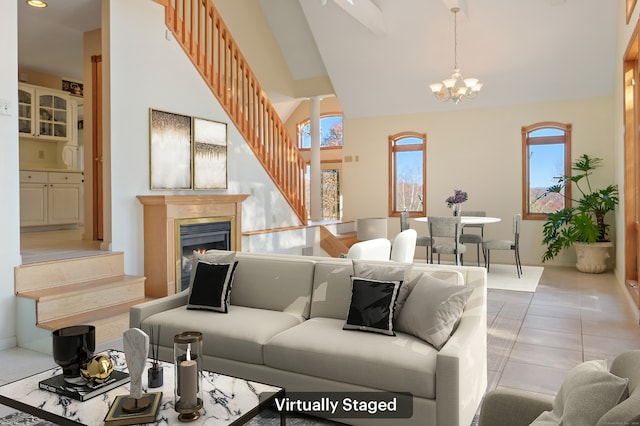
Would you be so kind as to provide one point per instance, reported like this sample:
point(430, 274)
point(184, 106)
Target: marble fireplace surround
point(161, 212)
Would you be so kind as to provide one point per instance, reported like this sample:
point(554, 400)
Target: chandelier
point(456, 88)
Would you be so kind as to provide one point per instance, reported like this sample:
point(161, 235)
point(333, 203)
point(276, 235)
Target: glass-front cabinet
point(43, 113)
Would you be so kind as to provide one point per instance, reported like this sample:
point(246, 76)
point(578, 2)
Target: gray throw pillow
point(432, 310)
point(391, 271)
point(587, 393)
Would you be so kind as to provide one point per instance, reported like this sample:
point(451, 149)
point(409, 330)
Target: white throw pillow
point(587, 393)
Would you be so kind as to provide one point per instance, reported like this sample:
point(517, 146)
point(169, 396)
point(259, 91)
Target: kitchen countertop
point(45, 169)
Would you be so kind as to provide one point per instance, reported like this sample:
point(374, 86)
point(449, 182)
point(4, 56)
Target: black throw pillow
point(372, 305)
point(211, 288)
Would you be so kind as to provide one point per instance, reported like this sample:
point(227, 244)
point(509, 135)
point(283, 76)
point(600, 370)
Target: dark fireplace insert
point(200, 236)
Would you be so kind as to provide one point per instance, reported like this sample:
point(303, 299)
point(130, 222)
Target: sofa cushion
point(233, 336)
point(320, 347)
point(373, 304)
point(211, 286)
point(587, 393)
point(432, 310)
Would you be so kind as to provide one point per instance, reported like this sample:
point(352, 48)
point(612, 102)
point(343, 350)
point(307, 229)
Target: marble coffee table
point(227, 400)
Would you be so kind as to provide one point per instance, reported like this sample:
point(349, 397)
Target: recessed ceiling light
point(37, 3)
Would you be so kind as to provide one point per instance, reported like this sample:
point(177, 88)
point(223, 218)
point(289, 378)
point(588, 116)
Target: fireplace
point(199, 235)
point(161, 235)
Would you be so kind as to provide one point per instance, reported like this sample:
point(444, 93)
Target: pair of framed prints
point(187, 152)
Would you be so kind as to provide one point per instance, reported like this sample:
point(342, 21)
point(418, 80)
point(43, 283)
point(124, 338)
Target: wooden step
point(90, 289)
point(67, 300)
point(331, 244)
point(348, 238)
point(49, 274)
point(110, 322)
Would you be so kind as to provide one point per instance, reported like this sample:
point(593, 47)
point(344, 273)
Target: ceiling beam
point(365, 12)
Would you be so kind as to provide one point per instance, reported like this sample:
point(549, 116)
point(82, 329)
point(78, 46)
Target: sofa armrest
point(461, 365)
point(512, 408)
point(140, 312)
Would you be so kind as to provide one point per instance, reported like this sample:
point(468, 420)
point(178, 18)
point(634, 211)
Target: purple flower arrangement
point(458, 197)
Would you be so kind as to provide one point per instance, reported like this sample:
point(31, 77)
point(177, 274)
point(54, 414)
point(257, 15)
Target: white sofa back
point(278, 283)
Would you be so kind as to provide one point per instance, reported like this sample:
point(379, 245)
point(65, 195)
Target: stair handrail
point(205, 38)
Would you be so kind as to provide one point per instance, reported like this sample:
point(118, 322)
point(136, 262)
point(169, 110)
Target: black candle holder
point(72, 347)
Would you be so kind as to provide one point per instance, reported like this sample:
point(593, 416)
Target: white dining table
point(469, 220)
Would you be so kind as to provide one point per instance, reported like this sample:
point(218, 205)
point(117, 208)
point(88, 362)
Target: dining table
point(469, 220)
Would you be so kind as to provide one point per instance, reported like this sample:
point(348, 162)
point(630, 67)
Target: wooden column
point(160, 214)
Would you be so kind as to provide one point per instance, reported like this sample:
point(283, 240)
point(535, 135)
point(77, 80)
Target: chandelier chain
point(455, 37)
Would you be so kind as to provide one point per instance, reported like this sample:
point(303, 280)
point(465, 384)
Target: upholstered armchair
point(376, 249)
point(403, 246)
point(591, 394)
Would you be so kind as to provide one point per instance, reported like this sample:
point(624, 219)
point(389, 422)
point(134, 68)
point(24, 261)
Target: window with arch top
point(407, 173)
point(546, 155)
point(330, 132)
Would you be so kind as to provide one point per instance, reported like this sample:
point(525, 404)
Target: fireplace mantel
point(160, 214)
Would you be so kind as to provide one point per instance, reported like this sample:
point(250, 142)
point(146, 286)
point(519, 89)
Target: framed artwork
point(630, 5)
point(209, 154)
point(170, 150)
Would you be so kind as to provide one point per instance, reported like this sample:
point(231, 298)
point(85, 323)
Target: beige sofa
point(285, 327)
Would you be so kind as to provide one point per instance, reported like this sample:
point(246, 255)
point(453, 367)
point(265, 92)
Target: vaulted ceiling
point(381, 55)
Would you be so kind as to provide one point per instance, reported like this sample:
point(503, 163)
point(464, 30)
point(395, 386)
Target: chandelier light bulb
point(37, 3)
point(456, 88)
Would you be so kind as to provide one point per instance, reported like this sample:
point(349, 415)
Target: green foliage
point(582, 220)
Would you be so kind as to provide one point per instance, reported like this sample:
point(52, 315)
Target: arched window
point(330, 132)
point(546, 154)
point(407, 172)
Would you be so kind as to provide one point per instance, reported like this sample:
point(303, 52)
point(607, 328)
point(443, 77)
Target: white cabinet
point(33, 198)
point(50, 198)
point(43, 113)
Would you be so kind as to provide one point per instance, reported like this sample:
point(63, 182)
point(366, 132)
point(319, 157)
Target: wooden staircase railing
point(199, 29)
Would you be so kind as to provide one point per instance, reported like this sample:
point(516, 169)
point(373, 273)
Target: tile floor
point(534, 338)
point(572, 317)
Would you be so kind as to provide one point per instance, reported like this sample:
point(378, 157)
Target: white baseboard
point(8, 342)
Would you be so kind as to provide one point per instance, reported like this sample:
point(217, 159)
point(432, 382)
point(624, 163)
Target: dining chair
point(514, 245)
point(473, 237)
point(421, 241)
point(450, 228)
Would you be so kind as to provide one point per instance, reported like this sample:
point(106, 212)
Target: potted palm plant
point(582, 222)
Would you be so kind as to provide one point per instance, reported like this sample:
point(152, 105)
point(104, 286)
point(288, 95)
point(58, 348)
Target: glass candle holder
point(187, 392)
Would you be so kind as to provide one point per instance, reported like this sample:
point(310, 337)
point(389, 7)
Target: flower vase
point(456, 209)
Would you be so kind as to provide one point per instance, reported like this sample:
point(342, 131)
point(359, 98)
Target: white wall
point(478, 151)
point(9, 190)
point(148, 71)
